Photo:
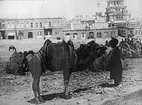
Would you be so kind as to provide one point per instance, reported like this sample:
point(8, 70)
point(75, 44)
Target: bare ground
point(83, 87)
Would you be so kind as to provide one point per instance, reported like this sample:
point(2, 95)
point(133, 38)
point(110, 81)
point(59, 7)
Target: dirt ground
point(84, 86)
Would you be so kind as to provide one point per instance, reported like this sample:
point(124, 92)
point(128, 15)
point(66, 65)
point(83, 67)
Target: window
point(49, 24)
point(117, 2)
point(136, 32)
point(106, 35)
point(114, 3)
point(99, 35)
point(131, 32)
point(83, 35)
point(58, 23)
point(74, 35)
point(56, 32)
point(113, 33)
point(31, 25)
point(40, 24)
point(68, 34)
point(36, 24)
point(3, 26)
point(37, 33)
point(40, 33)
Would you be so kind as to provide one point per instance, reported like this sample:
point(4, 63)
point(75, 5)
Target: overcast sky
point(57, 8)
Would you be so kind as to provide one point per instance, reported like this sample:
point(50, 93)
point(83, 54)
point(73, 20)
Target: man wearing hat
point(114, 63)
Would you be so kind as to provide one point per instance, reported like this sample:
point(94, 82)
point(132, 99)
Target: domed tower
point(116, 11)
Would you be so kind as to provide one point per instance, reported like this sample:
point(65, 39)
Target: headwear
point(12, 47)
point(113, 42)
point(47, 42)
point(31, 52)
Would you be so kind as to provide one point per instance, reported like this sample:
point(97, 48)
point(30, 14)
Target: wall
point(36, 26)
point(97, 33)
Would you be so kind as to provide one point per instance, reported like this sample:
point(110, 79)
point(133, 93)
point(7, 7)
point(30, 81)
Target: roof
point(79, 26)
point(90, 29)
point(123, 21)
point(87, 20)
point(7, 19)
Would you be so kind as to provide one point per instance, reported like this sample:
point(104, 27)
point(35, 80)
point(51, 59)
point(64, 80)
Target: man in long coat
point(115, 64)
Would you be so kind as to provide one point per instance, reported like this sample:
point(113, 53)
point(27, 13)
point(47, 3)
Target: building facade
point(83, 34)
point(116, 11)
point(128, 28)
point(34, 28)
point(115, 22)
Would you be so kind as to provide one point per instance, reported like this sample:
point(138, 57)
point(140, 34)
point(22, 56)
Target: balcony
point(47, 27)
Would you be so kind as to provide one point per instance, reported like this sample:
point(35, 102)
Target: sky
point(58, 8)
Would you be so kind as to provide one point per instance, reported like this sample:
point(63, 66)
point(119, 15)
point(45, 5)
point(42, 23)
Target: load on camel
point(131, 48)
point(18, 63)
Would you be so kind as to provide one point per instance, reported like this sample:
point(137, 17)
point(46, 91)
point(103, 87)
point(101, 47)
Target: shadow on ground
point(49, 97)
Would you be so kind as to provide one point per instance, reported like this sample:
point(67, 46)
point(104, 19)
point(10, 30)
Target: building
point(37, 28)
point(115, 22)
point(116, 11)
point(2, 31)
point(128, 28)
point(118, 17)
point(82, 29)
point(83, 34)
point(137, 27)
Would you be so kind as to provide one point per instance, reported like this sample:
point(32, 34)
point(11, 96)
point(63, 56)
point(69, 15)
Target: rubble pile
point(131, 48)
point(83, 86)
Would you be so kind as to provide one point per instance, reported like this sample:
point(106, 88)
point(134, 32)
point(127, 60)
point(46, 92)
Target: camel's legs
point(36, 91)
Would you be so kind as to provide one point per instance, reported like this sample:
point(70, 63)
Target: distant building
point(2, 31)
point(118, 17)
point(36, 28)
point(82, 34)
point(84, 17)
point(115, 22)
point(116, 11)
point(128, 28)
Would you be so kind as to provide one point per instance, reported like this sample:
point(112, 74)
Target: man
point(114, 63)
